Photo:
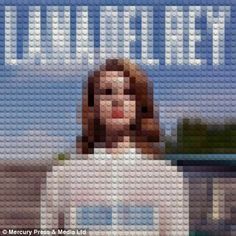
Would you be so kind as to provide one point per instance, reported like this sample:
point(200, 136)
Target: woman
point(118, 111)
point(118, 184)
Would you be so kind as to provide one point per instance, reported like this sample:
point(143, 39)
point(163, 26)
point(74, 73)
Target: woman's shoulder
point(67, 164)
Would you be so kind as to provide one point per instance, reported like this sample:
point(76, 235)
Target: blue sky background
point(38, 108)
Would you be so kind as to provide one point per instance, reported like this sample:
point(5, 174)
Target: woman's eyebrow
point(104, 84)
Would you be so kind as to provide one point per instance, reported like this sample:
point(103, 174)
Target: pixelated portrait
point(118, 118)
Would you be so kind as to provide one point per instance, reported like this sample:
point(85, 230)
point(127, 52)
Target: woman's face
point(116, 104)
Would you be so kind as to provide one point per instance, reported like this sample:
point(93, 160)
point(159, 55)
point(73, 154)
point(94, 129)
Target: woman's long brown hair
point(145, 133)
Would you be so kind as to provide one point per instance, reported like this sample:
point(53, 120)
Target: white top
point(116, 194)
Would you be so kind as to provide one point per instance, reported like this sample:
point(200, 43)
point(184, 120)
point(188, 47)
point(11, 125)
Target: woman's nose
point(116, 103)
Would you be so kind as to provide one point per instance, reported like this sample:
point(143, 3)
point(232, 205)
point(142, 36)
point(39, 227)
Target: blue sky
point(38, 108)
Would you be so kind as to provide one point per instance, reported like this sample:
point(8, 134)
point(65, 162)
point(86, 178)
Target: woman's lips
point(117, 113)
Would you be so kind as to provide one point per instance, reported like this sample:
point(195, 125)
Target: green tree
point(197, 137)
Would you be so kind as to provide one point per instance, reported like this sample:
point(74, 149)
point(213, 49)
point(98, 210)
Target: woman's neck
point(119, 146)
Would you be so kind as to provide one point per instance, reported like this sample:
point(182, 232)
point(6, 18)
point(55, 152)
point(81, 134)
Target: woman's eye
point(108, 91)
point(126, 91)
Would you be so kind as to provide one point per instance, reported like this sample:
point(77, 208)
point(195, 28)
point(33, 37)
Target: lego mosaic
point(118, 118)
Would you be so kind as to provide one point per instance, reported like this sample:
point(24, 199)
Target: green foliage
point(197, 137)
point(198, 233)
point(62, 156)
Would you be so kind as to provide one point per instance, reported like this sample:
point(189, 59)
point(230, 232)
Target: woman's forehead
point(112, 78)
point(111, 73)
